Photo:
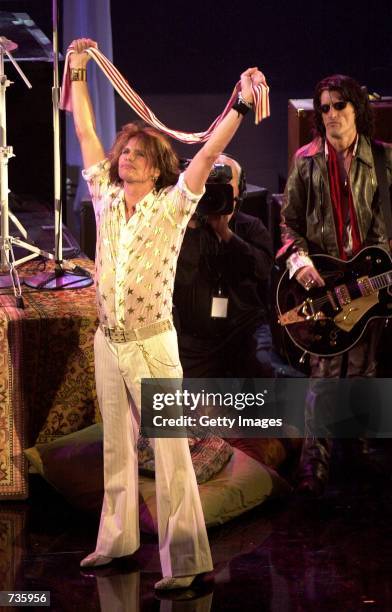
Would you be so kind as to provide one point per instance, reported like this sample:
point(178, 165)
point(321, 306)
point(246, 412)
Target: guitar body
point(330, 320)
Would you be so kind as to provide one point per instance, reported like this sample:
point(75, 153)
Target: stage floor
point(331, 555)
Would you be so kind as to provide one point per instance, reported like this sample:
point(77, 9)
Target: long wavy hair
point(351, 91)
point(158, 149)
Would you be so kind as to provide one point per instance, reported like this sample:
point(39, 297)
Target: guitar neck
point(381, 280)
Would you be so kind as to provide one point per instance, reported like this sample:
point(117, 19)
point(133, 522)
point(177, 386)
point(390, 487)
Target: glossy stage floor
point(334, 554)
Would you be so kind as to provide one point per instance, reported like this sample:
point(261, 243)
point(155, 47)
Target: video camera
point(219, 196)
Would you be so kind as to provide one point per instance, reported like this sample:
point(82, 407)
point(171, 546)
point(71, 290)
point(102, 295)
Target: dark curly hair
point(158, 150)
point(351, 91)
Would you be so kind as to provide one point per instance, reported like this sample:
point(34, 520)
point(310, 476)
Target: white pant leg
point(118, 533)
point(119, 593)
point(183, 540)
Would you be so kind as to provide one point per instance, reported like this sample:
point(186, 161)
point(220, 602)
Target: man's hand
point(79, 58)
point(308, 277)
point(250, 78)
point(220, 225)
point(198, 170)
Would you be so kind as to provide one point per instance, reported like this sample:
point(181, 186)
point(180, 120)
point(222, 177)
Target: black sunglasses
point(325, 108)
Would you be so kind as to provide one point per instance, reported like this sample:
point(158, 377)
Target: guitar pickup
point(343, 295)
point(365, 286)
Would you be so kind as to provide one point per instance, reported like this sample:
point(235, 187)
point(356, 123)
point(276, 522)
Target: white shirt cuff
point(101, 167)
point(193, 197)
point(297, 261)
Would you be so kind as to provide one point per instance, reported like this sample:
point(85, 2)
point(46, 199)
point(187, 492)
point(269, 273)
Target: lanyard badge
point(219, 305)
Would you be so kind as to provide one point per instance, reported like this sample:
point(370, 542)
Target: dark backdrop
point(185, 57)
point(191, 47)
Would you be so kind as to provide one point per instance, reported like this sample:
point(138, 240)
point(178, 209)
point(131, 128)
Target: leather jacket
point(307, 213)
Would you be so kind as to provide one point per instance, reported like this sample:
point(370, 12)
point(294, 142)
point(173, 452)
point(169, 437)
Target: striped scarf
point(129, 95)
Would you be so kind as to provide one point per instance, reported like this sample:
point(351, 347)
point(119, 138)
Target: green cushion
point(243, 484)
point(73, 464)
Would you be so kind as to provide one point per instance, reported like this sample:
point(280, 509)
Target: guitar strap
point(383, 188)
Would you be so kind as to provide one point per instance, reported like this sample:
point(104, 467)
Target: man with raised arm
point(142, 207)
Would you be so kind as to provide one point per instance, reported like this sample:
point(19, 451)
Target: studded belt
point(117, 334)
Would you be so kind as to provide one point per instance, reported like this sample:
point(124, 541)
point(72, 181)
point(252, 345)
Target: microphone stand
point(66, 275)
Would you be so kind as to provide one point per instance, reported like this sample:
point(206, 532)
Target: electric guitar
point(330, 320)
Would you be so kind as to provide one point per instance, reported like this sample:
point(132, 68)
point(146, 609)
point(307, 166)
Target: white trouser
point(183, 541)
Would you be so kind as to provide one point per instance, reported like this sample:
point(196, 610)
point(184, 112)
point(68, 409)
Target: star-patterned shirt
point(136, 260)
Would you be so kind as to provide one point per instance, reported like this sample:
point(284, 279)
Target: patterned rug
point(47, 386)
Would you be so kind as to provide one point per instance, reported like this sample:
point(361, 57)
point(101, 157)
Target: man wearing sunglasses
point(332, 206)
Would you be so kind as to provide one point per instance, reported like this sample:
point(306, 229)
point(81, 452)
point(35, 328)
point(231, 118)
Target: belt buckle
point(119, 335)
point(115, 335)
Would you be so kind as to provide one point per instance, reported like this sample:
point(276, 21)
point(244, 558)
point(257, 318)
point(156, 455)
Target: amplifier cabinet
point(256, 203)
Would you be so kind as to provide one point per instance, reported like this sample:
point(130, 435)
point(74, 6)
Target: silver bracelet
point(241, 100)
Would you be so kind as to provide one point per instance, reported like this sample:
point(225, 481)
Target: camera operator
point(221, 285)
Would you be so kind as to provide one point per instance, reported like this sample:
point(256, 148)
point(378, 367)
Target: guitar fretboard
point(381, 280)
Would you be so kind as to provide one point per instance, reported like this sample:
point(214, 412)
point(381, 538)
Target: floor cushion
point(73, 464)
